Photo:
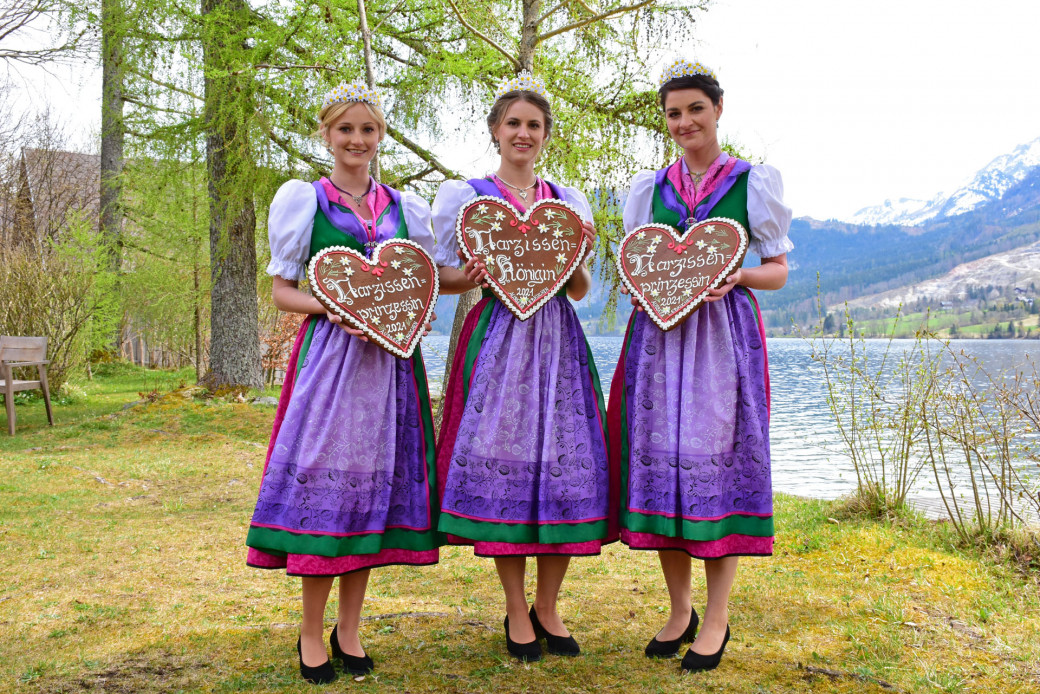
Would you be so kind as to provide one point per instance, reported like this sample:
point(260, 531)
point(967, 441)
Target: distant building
point(52, 187)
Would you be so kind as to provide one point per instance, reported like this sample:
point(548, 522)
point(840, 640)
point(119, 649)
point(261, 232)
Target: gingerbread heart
point(670, 273)
point(389, 297)
point(529, 257)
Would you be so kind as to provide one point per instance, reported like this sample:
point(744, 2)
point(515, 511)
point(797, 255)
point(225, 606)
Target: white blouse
point(291, 219)
point(768, 216)
point(450, 198)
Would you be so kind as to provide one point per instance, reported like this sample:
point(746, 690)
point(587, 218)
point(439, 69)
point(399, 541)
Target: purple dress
point(350, 478)
point(689, 408)
point(522, 449)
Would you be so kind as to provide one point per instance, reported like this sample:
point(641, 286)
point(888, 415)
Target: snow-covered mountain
point(989, 183)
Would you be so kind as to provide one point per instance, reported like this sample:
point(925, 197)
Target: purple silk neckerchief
point(669, 195)
point(349, 222)
point(492, 189)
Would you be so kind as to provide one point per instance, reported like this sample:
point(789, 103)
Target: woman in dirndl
point(522, 449)
point(689, 408)
point(350, 480)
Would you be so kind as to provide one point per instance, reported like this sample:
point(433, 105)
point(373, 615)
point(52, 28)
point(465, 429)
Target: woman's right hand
point(475, 270)
point(635, 302)
point(338, 320)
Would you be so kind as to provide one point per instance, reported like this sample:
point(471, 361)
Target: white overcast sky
point(854, 101)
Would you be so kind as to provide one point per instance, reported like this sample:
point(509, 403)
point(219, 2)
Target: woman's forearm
point(288, 298)
point(771, 274)
point(454, 281)
point(579, 283)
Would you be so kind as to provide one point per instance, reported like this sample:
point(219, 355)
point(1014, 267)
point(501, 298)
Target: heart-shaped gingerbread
point(670, 273)
point(389, 296)
point(529, 257)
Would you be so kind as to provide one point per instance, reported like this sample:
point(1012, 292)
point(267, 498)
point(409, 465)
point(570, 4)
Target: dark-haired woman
point(689, 408)
point(522, 448)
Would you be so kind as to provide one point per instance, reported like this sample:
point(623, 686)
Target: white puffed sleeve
point(769, 217)
point(417, 218)
point(289, 225)
point(578, 199)
point(638, 207)
point(450, 198)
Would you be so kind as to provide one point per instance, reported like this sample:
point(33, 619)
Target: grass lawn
point(124, 535)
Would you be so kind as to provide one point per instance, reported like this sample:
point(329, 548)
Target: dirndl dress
point(350, 478)
point(689, 408)
point(522, 451)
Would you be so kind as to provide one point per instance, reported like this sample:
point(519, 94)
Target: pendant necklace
point(358, 199)
point(521, 191)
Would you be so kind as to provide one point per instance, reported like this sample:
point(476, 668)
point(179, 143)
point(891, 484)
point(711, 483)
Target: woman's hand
point(338, 320)
point(589, 232)
point(726, 287)
point(428, 326)
point(475, 270)
point(635, 301)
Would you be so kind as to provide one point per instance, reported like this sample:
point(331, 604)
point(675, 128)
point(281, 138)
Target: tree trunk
point(370, 78)
point(528, 34)
point(234, 358)
point(112, 131)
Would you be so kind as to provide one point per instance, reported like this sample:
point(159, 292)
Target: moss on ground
point(124, 529)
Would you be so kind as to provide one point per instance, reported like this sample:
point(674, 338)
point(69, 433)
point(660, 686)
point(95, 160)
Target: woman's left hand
point(724, 288)
point(589, 232)
point(428, 327)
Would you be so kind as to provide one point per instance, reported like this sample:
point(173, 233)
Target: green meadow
point(123, 532)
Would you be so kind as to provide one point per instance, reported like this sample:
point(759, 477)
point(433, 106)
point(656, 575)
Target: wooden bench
point(23, 351)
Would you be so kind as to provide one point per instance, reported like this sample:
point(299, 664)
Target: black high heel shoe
point(557, 645)
point(666, 649)
point(354, 664)
point(527, 652)
point(320, 674)
point(695, 662)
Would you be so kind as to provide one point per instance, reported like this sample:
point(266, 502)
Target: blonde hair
point(331, 113)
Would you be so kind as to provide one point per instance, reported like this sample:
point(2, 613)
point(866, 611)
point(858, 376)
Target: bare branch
point(589, 20)
point(545, 16)
point(401, 182)
point(423, 154)
point(167, 85)
point(153, 107)
point(268, 66)
point(512, 61)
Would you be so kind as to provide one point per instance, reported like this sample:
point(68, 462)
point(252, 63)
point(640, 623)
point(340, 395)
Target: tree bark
point(112, 132)
point(370, 78)
point(234, 315)
point(529, 34)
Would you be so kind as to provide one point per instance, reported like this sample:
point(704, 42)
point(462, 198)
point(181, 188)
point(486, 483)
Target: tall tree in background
point(234, 358)
point(113, 130)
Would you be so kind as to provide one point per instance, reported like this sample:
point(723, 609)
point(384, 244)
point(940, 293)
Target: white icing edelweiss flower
point(482, 208)
point(500, 215)
point(408, 271)
point(395, 264)
point(654, 293)
point(641, 235)
point(411, 315)
point(495, 226)
point(348, 272)
point(700, 244)
point(558, 233)
point(561, 258)
point(399, 250)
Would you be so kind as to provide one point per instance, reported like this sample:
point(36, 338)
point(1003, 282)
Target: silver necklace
point(521, 191)
point(358, 199)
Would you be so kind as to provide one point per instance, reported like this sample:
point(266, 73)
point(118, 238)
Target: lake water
point(807, 456)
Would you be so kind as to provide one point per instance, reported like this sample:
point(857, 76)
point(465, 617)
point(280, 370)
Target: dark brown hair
point(498, 110)
point(708, 85)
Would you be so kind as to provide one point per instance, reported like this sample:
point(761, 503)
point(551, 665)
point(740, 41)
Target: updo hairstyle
point(498, 111)
point(708, 85)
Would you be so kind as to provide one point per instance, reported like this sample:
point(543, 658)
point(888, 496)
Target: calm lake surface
point(807, 455)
